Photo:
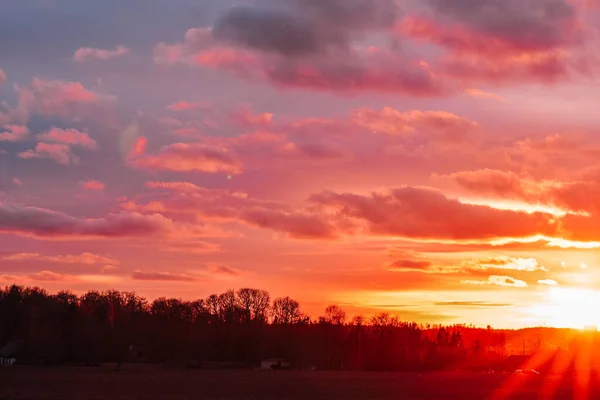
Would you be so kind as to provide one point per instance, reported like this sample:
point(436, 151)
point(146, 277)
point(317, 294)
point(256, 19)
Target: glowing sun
point(569, 308)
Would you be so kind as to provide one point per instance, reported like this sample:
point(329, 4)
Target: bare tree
point(253, 304)
point(335, 315)
point(286, 311)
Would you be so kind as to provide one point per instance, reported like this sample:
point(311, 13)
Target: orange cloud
point(409, 212)
point(505, 281)
point(409, 265)
point(84, 54)
point(517, 264)
point(3, 77)
point(547, 282)
point(576, 196)
point(404, 212)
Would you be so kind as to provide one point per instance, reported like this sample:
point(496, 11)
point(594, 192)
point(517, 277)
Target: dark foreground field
point(158, 383)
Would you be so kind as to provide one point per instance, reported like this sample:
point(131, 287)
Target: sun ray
point(583, 367)
point(515, 381)
point(558, 370)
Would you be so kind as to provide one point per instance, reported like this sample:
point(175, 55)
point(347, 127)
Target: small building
point(513, 362)
point(8, 353)
point(274, 363)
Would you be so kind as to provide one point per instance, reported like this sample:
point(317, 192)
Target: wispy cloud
point(89, 53)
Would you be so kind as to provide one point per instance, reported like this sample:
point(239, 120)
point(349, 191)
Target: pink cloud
point(70, 137)
point(189, 106)
point(267, 147)
point(69, 100)
point(83, 258)
point(9, 278)
point(394, 122)
point(58, 152)
point(465, 37)
point(14, 133)
point(47, 224)
point(87, 53)
point(139, 147)
point(222, 205)
point(244, 117)
point(481, 94)
point(108, 268)
point(3, 77)
point(499, 183)
point(161, 276)
point(222, 269)
point(10, 115)
point(191, 247)
point(524, 42)
point(92, 184)
point(349, 71)
point(56, 144)
point(17, 182)
point(195, 157)
point(47, 276)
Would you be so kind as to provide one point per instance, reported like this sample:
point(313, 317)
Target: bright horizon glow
point(569, 308)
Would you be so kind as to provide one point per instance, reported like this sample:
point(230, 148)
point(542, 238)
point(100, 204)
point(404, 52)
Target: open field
point(158, 383)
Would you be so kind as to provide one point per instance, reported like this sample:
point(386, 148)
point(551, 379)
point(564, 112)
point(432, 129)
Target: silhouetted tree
point(286, 311)
point(234, 326)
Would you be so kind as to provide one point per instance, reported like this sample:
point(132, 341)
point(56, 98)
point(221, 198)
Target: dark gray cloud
point(352, 14)
point(269, 30)
point(528, 25)
point(301, 27)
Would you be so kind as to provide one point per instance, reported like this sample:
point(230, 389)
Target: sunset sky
point(435, 159)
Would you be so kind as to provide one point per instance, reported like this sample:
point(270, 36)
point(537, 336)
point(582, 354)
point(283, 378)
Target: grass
point(154, 383)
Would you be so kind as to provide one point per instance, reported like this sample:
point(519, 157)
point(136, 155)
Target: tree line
point(235, 328)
